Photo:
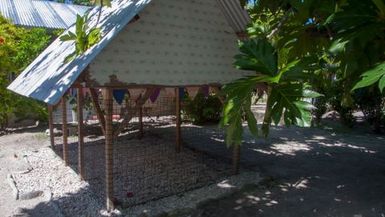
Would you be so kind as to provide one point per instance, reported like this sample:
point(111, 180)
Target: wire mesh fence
point(148, 167)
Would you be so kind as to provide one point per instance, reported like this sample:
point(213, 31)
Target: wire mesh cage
point(146, 163)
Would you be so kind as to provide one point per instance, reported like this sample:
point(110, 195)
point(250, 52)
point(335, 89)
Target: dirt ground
point(11, 160)
point(308, 172)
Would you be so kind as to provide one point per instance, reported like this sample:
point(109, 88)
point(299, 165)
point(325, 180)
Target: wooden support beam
point(128, 116)
point(80, 105)
point(99, 112)
point(50, 124)
point(65, 129)
point(236, 158)
point(178, 144)
point(108, 106)
point(141, 122)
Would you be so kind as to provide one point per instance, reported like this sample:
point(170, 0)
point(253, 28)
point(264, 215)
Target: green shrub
point(18, 48)
point(26, 108)
point(202, 109)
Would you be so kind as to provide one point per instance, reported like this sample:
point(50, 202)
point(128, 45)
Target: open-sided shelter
point(145, 44)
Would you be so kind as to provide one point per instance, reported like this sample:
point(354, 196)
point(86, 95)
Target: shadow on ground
point(310, 172)
point(63, 206)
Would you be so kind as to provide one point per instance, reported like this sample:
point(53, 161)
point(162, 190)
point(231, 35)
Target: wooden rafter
point(99, 112)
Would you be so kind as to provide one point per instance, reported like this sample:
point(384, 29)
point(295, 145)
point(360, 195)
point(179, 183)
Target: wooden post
point(108, 107)
point(80, 99)
point(178, 121)
point(141, 122)
point(236, 158)
point(65, 129)
point(50, 124)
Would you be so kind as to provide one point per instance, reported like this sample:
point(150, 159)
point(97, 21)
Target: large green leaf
point(234, 129)
point(381, 83)
point(372, 76)
point(290, 101)
point(237, 105)
point(93, 36)
point(252, 122)
point(380, 6)
point(80, 24)
point(257, 55)
point(70, 36)
point(286, 98)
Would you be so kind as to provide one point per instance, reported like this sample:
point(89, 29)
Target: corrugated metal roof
point(237, 17)
point(48, 77)
point(45, 14)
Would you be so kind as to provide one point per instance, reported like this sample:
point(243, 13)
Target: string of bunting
point(119, 94)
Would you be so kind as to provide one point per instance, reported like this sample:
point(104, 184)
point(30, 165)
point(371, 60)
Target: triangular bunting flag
point(192, 92)
point(119, 95)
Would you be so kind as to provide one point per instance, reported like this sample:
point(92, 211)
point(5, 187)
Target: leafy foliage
point(372, 76)
point(202, 109)
point(84, 36)
point(83, 2)
point(106, 3)
point(350, 33)
point(286, 92)
point(90, 2)
point(339, 45)
point(359, 41)
point(18, 47)
point(332, 46)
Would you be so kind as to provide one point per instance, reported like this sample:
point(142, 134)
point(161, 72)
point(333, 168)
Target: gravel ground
point(311, 172)
point(51, 176)
point(191, 199)
point(58, 191)
point(148, 168)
